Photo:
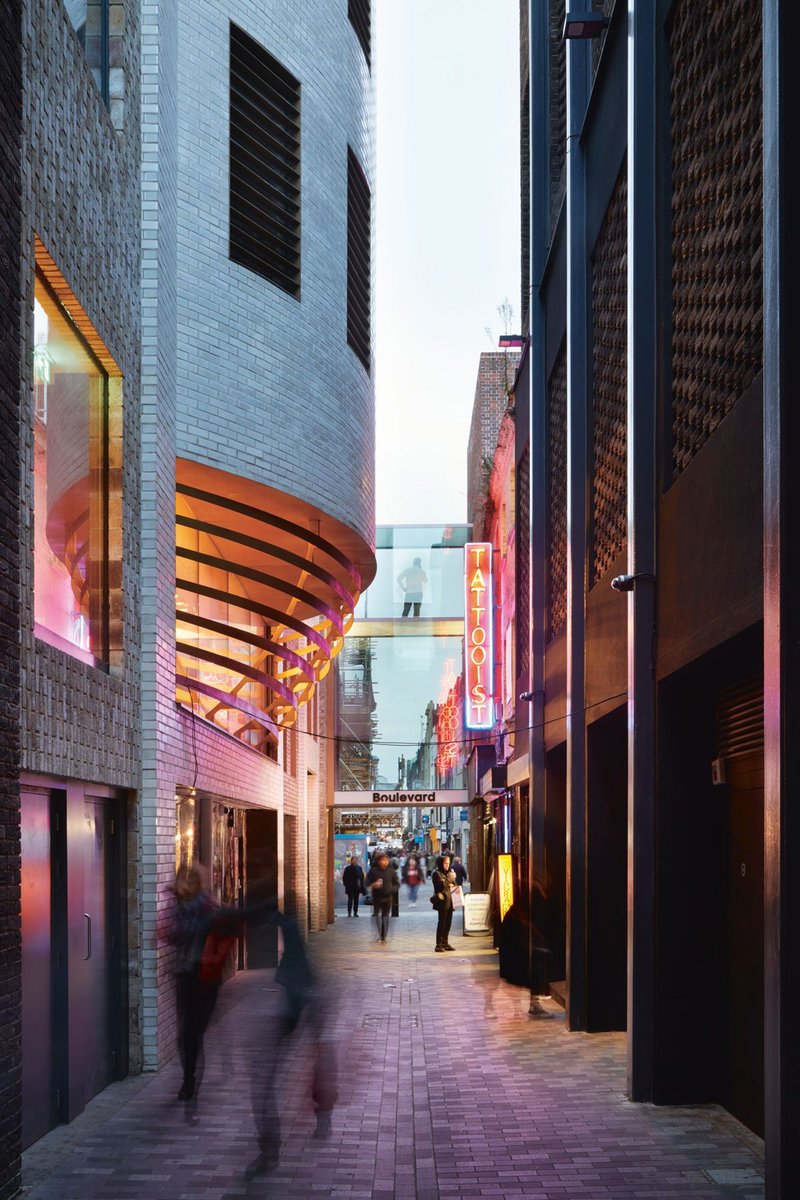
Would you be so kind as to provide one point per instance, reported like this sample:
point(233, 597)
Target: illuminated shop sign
point(478, 656)
point(505, 882)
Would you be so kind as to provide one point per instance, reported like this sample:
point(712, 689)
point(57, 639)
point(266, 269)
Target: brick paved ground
point(447, 1091)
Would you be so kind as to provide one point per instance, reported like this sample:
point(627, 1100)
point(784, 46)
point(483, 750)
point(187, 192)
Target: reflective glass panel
point(70, 485)
point(420, 573)
point(400, 713)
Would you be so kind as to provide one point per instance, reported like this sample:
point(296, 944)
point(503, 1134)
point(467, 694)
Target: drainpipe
point(781, 35)
point(642, 392)
point(578, 399)
point(538, 125)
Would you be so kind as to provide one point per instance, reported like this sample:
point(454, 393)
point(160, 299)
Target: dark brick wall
point(557, 497)
point(82, 200)
point(10, 237)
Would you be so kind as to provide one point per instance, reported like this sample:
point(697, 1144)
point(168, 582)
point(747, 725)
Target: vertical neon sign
point(479, 664)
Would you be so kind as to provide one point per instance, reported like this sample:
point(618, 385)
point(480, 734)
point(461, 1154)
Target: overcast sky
point(447, 211)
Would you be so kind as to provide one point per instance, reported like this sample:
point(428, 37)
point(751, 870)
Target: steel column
point(537, 399)
point(578, 401)
point(642, 392)
point(781, 31)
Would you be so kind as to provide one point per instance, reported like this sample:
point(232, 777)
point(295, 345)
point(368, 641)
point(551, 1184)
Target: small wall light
point(584, 25)
point(626, 583)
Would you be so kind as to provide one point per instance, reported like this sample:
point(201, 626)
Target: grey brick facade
point(10, 228)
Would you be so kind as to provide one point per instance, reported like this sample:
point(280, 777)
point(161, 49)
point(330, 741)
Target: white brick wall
point(238, 375)
point(267, 385)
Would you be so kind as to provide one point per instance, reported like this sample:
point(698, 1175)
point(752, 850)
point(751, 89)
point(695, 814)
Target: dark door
point(261, 871)
point(39, 1073)
point(745, 778)
point(90, 830)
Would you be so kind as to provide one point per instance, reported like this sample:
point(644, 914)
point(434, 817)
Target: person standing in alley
point(412, 580)
point(444, 880)
point(353, 880)
point(380, 883)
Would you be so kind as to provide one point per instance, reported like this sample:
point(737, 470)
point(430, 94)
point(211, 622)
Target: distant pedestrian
point(412, 878)
point(460, 871)
point(444, 880)
point(381, 884)
point(353, 880)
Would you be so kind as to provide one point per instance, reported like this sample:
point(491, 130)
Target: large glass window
point(71, 485)
point(400, 713)
point(420, 573)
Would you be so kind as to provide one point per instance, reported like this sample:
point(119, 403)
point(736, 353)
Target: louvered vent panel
point(557, 494)
point(358, 12)
point(359, 275)
point(610, 321)
point(716, 214)
point(264, 164)
point(740, 720)
point(523, 563)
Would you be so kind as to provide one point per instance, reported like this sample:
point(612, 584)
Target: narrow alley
point(447, 1090)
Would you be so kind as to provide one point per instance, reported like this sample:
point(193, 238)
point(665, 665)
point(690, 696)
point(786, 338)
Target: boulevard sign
point(442, 797)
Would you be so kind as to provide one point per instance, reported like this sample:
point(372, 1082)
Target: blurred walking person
point(203, 938)
point(444, 880)
point(301, 1004)
point(381, 883)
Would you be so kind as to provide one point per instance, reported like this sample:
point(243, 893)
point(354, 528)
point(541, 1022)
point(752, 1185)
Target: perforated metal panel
point(610, 324)
point(557, 495)
point(716, 214)
point(264, 164)
point(558, 106)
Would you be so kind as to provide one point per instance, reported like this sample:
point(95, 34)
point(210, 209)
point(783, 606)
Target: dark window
point(359, 13)
point(359, 224)
point(90, 20)
point(264, 165)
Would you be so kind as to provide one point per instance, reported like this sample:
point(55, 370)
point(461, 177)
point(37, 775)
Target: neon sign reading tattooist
point(479, 659)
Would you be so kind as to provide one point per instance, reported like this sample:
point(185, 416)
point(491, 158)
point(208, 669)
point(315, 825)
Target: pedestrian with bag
point(203, 935)
point(353, 881)
point(381, 880)
point(444, 881)
point(460, 871)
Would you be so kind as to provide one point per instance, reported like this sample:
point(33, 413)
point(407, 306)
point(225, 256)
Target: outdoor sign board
point(398, 799)
point(505, 883)
point(477, 912)
point(478, 629)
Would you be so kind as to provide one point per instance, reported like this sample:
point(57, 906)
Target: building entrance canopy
point(401, 799)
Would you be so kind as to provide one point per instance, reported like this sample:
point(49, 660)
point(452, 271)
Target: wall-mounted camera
point(623, 583)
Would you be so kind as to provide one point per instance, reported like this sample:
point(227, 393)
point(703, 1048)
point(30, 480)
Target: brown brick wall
point(496, 372)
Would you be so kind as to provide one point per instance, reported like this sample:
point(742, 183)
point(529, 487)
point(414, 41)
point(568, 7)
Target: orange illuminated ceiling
point(266, 586)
